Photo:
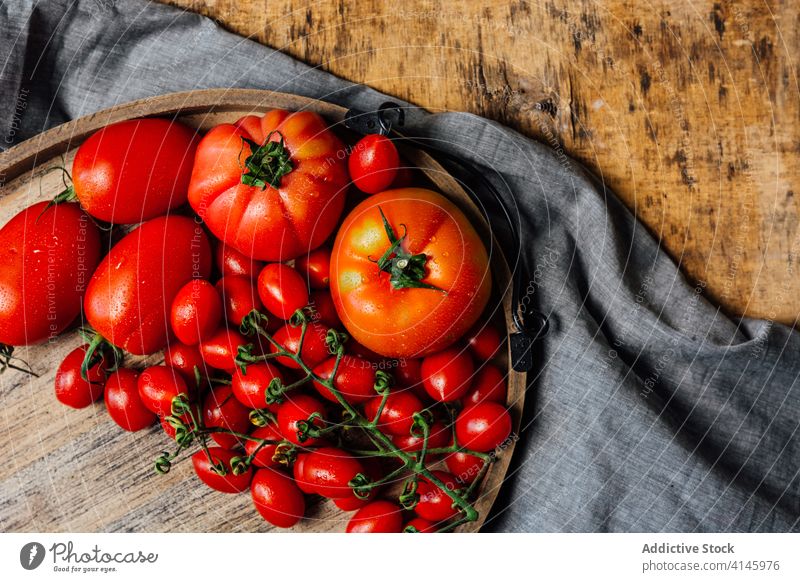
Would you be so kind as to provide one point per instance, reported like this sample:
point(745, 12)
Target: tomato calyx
point(405, 270)
point(267, 163)
point(98, 350)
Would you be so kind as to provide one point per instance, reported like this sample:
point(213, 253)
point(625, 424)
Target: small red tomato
point(298, 472)
point(222, 410)
point(328, 472)
point(440, 436)
point(296, 408)
point(228, 483)
point(196, 311)
point(277, 498)
point(464, 467)
point(315, 348)
point(71, 388)
point(323, 309)
point(282, 290)
point(421, 525)
point(434, 504)
point(157, 386)
point(239, 296)
point(489, 385)
point(447, 375)
point(483, 427)
point(231, 262)
point(184, 359)
point(219, 351)
point(408, 372)
point(396, 416)
point(264, 452)
point(250, 388)
point(123, 402)
point(373, 163)
point(377, 517)
point(353, 503)
point(316, 266)
point(355, 379)
point(484, 340)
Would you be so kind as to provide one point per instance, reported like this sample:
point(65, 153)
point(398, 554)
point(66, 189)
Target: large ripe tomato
point(134, 170)
point(47, 258)
point(277, 498)
point(297, 154)
point(130, 295)
point(422, 293)
point(124, 405)
point(228, 483)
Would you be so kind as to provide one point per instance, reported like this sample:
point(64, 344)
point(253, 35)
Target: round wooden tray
point(75, 470)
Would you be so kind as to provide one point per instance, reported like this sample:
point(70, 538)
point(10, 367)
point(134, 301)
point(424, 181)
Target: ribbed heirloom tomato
point(272, 187)
point(413, 283)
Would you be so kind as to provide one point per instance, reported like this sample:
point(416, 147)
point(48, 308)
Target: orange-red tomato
point(265, 222)
point(385, 300)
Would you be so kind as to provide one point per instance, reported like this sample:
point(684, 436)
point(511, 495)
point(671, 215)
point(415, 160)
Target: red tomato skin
point(219, 351)
point(123, 402)
point(239, 297)
point(184, 358)
point(483, 427)
point(282, 290)
point(222, 410)
point(228, 483)
point(373, 163)
point(440, 436)
point(250, 388)
point(421, 525)
point(157, 386)
point(489, 385)
point(196, 312)
point(434, 504)
point(266, 224)
point(328, 471)
point(277, 498)
point(298, 472)
point(229, 261)
point(299, 407)
point(353, 503)
point(315, 350)
point(134, 170)
point(396, 416)
point(47, 258)
point(377, 517)
point(464, 467)
point(323, 310)
point(485, 341)
point(71, 388)
point(316, 267)
point(130, 294)
point(263, 458)
point(355, 379)
point(447, 375)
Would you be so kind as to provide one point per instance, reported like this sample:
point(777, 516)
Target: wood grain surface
point(688, 110)
point(75, 470)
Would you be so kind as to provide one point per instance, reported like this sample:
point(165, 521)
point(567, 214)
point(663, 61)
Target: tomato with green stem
point(124, 405)
point(315, 346)
point(282, 290)
point(316, 266)
point(196, 312)
point(185, 359)
point(355, 379)
point(328, 471)
point(72, 388)
point(397, 414)
point(277, 498)
point(298, 408)
point(219, 457)
point(483, 427)
point(373, 163)
point(434, 504)
point(439, 436)
point(239, 296)
point(420, 525)
point(447, 375)
point(250, 387)
point(222, 410)
point(464, 467)
point(220, 350)
point(377, 517)
point(158, 386)
point(263, 454)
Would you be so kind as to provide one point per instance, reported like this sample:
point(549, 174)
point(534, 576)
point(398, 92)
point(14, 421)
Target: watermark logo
point(31, 555)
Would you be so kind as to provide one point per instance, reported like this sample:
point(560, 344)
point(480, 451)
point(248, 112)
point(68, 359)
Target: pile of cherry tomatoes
point(304, 354)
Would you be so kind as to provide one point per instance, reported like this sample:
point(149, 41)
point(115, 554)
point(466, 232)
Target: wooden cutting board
point(75, 470)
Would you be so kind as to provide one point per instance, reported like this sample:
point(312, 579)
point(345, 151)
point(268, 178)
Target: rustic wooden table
point(688, 110)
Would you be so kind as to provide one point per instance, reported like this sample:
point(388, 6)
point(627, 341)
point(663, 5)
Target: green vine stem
point(7, 359)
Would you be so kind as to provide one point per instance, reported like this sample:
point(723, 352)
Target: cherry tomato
point(420, 525)
point(231, 262)
point(71, 388)
point(222, 410)
point(239, 296)
point(184, 359)
point(434, 504)
point(220, 350)
point(373, 163)
point(299, 474)
point(440, 436)
point(323, 309)
point(377, 517)
point(196, 312)
point(328, 472)
point(352, 503)
point(489, 385)
point(123, 402)
point(316, 266)
point(228, 483)
point(483, 427)
point(46, 257)
point(296, 408)
point(157, 386)
point(277, 498)
point(484, 340)
point(355, 379)
point(464, 467)
point(282, 290)
point(315, 348)
point(408, 372)
point(250, 388)
point(447, 375)
point(130, 295)
point(134, 170)
point(263, 458)
point(396, 416)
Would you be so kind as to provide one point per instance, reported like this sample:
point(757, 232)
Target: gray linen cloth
point(652, 411)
